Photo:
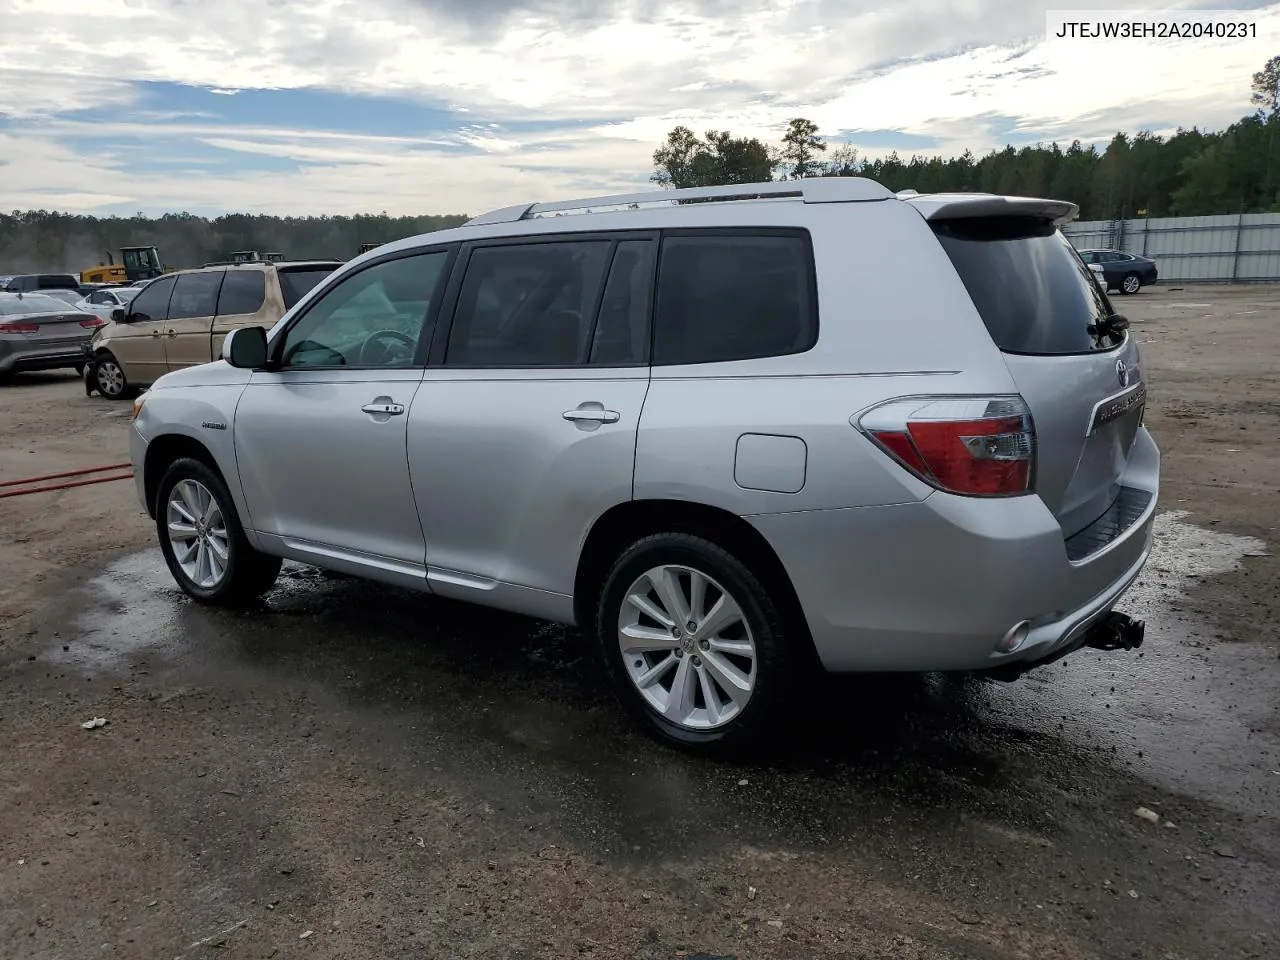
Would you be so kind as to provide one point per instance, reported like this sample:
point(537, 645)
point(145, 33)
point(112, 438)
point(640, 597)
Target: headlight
point(137, 405)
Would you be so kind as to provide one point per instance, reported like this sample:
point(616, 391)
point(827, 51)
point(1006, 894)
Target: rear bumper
point(936, 585)
point(17, 357)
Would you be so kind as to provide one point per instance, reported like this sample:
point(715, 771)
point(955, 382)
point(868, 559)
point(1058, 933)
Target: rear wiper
point(1113, 324)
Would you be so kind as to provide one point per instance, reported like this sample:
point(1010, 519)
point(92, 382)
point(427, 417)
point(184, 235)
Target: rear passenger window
point(243, 291)
point(196, 295)
point(733, 297)
point(528, 304)
point(622, 328)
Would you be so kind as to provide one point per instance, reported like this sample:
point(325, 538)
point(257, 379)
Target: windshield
point(1033, 291)
point(14, 306)
point(295, 284)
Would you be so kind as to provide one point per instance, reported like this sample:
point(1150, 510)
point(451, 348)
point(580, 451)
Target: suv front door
point(524, 431)
point(320, 437)
point(139, 344)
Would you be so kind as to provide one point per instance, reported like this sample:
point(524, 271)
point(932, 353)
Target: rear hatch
point(1079, 376)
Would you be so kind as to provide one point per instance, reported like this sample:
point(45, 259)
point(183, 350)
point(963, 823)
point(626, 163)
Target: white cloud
point(947, 69)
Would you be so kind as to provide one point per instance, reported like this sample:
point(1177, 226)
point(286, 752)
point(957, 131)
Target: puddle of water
point(1190, 706)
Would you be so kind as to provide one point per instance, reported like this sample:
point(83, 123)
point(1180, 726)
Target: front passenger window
point(377, 317)
point(153, 302)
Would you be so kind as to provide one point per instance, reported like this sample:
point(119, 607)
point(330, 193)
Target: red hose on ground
point(66, 473)
point(66, 486)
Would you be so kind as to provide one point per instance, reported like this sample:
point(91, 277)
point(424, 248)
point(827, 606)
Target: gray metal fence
point(1240, 248)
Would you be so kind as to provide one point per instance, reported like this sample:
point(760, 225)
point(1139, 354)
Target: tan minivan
point(179, 320)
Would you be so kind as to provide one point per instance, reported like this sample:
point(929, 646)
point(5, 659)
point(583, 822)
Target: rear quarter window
point(734, 295)
point(1034, 293)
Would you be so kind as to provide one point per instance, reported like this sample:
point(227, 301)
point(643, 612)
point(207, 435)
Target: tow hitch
point(1115, 631)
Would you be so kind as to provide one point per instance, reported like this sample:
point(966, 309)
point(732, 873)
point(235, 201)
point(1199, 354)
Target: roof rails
point(813, 190)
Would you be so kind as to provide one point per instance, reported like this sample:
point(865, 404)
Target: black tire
point(1130, 280)
point(109, 378)
point(760, 723)
point(248, 573)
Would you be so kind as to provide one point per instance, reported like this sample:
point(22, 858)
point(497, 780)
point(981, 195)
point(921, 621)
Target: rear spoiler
point(949, 206)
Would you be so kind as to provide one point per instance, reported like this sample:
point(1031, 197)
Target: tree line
point(1190, 173)
point(39, 240)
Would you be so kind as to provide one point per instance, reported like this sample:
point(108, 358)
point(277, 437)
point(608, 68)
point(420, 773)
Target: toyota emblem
point(1122, 373)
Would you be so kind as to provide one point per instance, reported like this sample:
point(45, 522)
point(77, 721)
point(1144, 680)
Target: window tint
point(1032, 291)
point(622, 329)
point(243, 291)
point(374, 318)
point(528, 305)
point(153, 302)
point(196, 295)
point(295, 284)
point(733, 297)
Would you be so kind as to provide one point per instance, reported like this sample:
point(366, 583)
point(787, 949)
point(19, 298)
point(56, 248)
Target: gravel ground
point(351, 771)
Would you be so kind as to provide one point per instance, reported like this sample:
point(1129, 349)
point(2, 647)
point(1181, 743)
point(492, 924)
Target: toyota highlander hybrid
point(733, 433)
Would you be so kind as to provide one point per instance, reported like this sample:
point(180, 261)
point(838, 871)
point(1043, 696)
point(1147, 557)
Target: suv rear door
point(525, 429)
point(1047, 314)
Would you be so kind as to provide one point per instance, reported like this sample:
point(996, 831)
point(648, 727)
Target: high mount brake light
point(973, 446)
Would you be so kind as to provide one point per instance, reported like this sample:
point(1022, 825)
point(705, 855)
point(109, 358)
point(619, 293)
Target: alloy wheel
point(110, 378)
point(198, 533)
point(687, 647)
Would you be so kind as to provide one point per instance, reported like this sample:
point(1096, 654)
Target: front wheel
point(203, 541)
point(1131, 283)
point(109, 377)
point(696, 647)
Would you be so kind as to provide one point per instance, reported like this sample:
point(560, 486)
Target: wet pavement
point(344, 722)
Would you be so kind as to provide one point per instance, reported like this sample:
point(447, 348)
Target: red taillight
point(17, 326)
point(92, 323)
point(976, 446)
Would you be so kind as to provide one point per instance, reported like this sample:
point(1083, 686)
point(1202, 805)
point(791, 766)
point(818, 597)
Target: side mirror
point(246, 348)
point(118, 315)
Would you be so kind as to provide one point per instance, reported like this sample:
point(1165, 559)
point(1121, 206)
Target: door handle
point(386, 409)
point(596, 416)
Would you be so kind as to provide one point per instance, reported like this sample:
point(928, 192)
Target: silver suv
point(731, 432)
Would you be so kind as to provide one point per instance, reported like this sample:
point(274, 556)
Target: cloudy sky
point(456, 106)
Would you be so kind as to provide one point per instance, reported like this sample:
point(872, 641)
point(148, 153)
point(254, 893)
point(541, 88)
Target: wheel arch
point(625, 523)
point(162, 452)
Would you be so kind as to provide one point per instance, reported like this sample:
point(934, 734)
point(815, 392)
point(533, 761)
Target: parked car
point(102, 301)
point(72, 297)
point(731, 439)
point(42, 281)
point(41, 333)
point(179, 320)
point(1125, 272)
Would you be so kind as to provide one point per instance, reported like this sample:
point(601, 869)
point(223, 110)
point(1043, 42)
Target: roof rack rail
point(812, 190)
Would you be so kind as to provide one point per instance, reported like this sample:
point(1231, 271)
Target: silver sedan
point(42, 333)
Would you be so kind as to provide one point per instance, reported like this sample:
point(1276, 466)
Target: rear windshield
point(1034, 293)
point(15, 306)
point(294, 284)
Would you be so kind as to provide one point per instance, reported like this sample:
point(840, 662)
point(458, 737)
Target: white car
point(102, 302)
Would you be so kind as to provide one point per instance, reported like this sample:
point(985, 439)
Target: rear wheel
point(203, 541)
point(109, 377)
point(1131, 283)
point(695, 646)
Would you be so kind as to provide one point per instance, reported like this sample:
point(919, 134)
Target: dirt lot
point(354, 772)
